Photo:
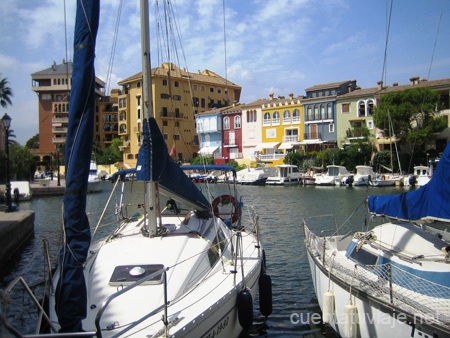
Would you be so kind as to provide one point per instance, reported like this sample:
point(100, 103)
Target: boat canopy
point(431, 202)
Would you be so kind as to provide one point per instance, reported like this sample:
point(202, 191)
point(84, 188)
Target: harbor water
point(281, 211)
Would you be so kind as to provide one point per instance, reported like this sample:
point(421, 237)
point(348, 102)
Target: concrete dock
point(16, 228)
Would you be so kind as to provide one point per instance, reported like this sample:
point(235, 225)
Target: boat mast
point(150, 187)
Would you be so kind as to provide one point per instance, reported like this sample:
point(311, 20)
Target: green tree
point(413, 114)
point(5, 93)
point(33, 143)
point(21, 163)
point(111, 154)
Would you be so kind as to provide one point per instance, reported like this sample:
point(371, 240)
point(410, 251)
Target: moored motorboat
point(287, 174)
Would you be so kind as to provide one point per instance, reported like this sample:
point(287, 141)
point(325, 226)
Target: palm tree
point(5, 93)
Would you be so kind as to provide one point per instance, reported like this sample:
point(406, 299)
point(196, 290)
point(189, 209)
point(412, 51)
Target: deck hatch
point(126, 274)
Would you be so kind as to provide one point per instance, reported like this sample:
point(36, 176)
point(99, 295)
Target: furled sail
point(155, 164)
point(426, 204)
point(71, 295)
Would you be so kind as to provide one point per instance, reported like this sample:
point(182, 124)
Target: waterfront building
point(53, 86)
point(320, 114)
point(209, 130)
point(178, 95)
point(282, 128)
point(251, 129)
point(354, 118)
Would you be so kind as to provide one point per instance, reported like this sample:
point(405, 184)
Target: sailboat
point(393, 279)
point(177, 267)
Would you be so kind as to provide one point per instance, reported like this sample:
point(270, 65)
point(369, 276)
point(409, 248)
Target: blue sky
point(278, 46)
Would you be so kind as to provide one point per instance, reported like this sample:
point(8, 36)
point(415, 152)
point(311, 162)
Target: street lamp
point(6, 124)
point(57, 162)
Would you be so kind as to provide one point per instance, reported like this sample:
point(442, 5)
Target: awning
point(208, 150)
point(288, 145)
point(266, 145)
point(315, 141)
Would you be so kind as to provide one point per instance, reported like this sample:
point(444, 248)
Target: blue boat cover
point(155, 164)
point(430, 202)
point(71, 295)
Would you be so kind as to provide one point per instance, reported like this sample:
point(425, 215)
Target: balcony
point(171, 115)
point(271, 157)
point(312, 136)
point(290, 138)
point(59, 130)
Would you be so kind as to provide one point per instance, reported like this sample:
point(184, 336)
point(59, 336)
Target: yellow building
point(282, 128)
point(178, 95)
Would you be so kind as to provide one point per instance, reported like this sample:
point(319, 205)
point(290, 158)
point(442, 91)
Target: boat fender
point(412, 181)
point(245, 308)
point(265, 295)
point(351, 321)
point(328, 307)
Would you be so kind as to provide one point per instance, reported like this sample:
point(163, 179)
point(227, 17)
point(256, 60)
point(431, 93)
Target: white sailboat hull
point(381, 308)
point(202, 299)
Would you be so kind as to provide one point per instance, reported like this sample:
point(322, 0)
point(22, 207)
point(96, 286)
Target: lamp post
point(6, 124)
point(57, 162)
point(51, 166)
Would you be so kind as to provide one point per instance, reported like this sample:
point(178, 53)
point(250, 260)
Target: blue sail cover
point(430, 202)
point(155, 164)
point(71, 295)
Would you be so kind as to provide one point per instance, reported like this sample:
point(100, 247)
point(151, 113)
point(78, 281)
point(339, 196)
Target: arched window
point(266, 119)
point(206, 126)
point(329, 112)
point(286, 117)
point(226, 122)
point(370, 105)
point(164, 82)
point(310, 114)
point(275, 118)
point(296, 116)
point(237, 122)
point(316, 113)
point(361, 109)
point(213, 123)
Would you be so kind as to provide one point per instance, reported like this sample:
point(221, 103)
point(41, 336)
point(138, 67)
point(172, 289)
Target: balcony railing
point(312, 136)
point(290, 138)
point(267, 157)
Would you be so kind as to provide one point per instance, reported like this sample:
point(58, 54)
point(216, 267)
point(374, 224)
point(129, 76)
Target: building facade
point(178, 96)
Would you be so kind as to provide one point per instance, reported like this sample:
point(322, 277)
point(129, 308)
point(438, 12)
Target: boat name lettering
point(216, 331)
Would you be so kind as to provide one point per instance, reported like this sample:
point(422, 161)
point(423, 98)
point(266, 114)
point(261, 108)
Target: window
point(166, 136)
point(194, 87)
point(219, 90)
point(237, 122)
point(202, 88)
point(316, 113)
point(138, 113)
point(296, 116)
point(251, 116)
point(165, 96)
point(369, 107)
point(176, 136)
point(331, 128)
point(195, 101)
point(177, 112)
point(138, 100)
point(345, 108)
point(164, 82)
point(226, 122)
point(213, 123)
point(310, 114)
point(286, 117)
point(276, 117)
point(203, 103)
point(361, 109)
point(177, 97)
point(211, 89)
point(370, 124)
point(266, 121)
point(329, 112)
point(46, 96)
point(138, 84)
point(177, 84)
